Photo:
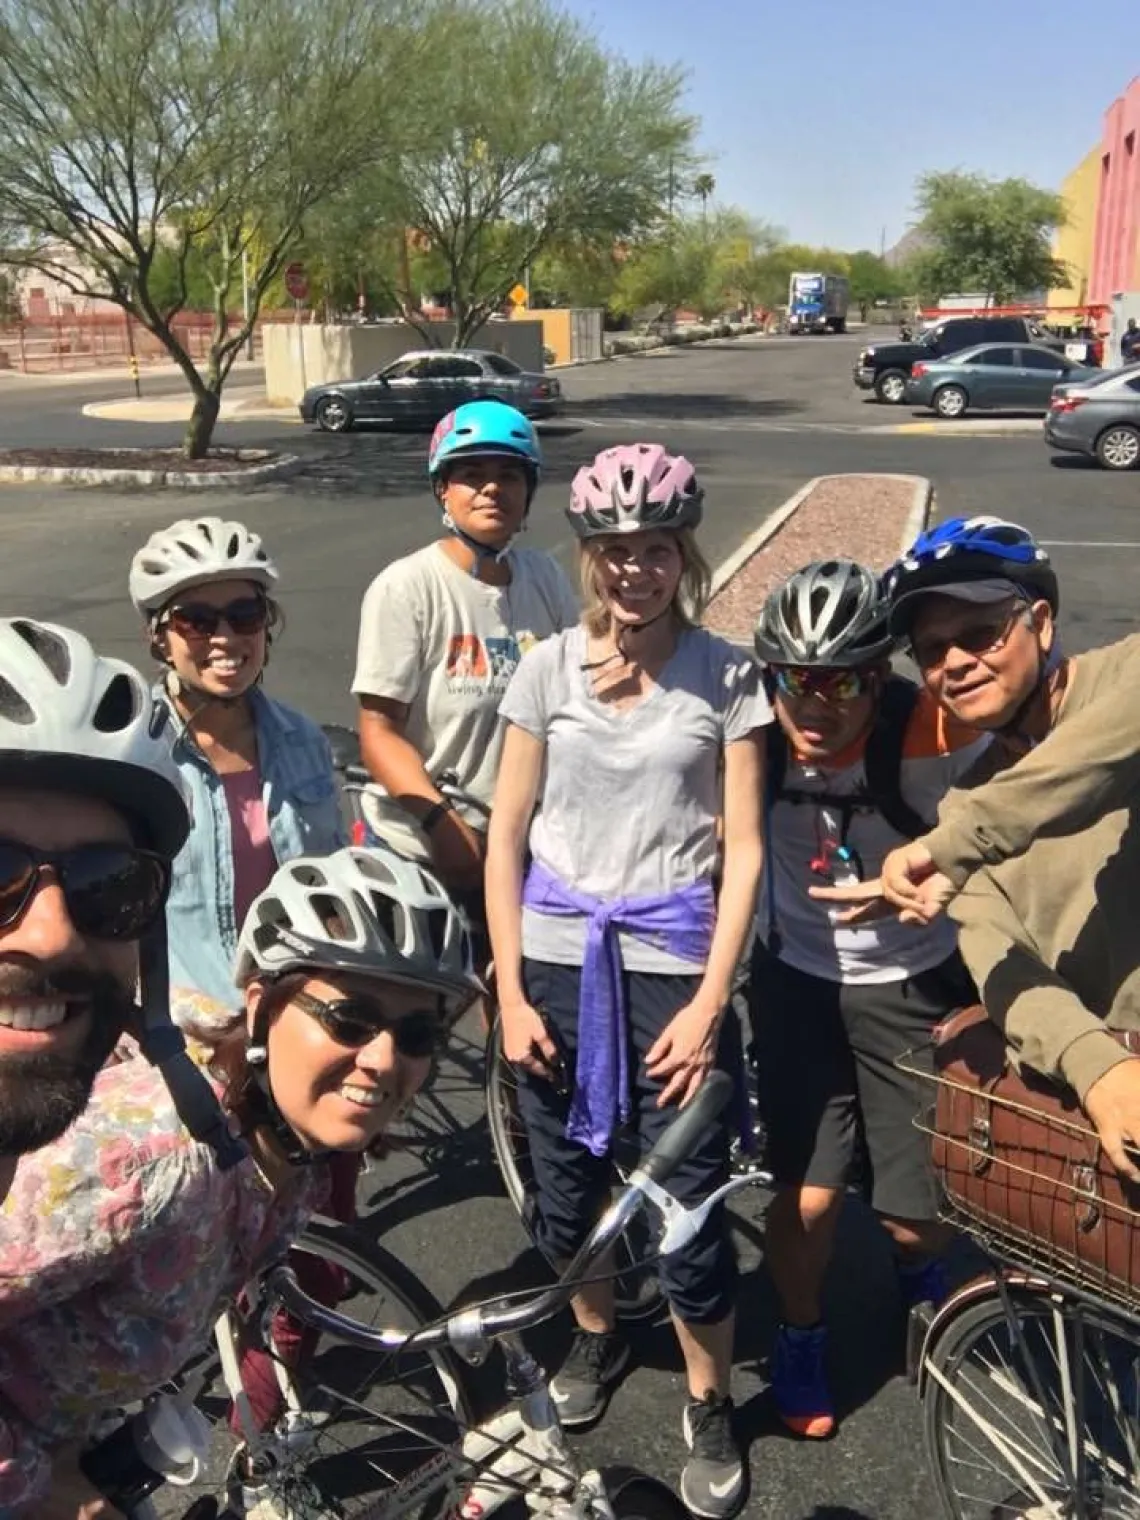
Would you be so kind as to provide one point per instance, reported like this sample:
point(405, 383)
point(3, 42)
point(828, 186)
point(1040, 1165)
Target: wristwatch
point(435, 813)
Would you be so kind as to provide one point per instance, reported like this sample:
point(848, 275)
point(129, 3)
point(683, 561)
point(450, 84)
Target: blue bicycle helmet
point(484, 427)
point(966, 549)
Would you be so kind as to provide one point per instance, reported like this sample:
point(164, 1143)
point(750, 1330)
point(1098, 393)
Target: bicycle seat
point(345, 745)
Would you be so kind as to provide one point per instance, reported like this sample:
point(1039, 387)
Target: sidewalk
point(239, 408)
point(106, 373)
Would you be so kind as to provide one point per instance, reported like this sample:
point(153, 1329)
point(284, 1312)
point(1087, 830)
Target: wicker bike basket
point(1020, 1164)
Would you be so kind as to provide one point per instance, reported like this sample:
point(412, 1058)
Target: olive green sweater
point(1047, 853)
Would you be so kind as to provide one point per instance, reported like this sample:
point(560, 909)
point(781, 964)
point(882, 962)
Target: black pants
point(573, 1186)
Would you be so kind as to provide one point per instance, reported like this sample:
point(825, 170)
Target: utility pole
point(883, 243)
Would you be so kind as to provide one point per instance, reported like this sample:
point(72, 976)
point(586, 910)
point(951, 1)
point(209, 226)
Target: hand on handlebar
point(457, 853)
point(1113, 1105)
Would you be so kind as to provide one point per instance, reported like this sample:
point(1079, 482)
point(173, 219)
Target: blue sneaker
point(799, 1381)
point(927, 1284)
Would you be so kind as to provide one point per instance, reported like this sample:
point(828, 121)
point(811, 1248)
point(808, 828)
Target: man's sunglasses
point(982, 637)
point(112, 891)
point(356, 1021)
point(199, 620)
point(830, 685)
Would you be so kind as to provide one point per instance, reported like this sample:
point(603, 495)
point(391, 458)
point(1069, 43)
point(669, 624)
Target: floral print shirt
point(120, 1244)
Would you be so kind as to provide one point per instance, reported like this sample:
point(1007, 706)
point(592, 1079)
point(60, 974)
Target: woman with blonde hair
point(627, 739)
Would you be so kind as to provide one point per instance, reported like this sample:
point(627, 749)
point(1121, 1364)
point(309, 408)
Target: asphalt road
point(759, 419)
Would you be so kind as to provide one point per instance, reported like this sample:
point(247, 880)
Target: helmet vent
point(118, 707)
point(50, 648)
point(437, 921)
point(12, 705)
point(334, 920)
point(384, 911)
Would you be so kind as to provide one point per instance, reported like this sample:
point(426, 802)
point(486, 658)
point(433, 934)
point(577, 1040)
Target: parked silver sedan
point(1098, 417)
point(420, 387)
point(996, 377)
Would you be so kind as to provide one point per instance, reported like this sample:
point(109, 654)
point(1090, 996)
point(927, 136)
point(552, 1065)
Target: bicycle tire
point(638, 1293)
point(357, 1475)
point(1025, 1410)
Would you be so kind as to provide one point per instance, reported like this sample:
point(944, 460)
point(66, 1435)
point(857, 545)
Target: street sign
point(297, 281)
point(518, 296)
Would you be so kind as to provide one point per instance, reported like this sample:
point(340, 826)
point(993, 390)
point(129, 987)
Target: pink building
point(1116, 245)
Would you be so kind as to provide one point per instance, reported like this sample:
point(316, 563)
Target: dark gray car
point(1099, 417)
point(420, 387)
point(996, 377)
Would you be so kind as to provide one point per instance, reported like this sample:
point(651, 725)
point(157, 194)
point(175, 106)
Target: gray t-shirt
point(630, 798)
point(447, 644)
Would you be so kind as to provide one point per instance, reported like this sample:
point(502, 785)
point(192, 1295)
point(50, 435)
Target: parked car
point(423, 386)
point(1098, 416)
point(996, 377)
point(884, 367)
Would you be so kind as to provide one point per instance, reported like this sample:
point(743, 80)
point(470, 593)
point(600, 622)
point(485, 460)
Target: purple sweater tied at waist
point(680, 923)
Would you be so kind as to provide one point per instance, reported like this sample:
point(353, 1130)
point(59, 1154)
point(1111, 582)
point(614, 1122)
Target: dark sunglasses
point(356, 1021)
point(198, 620)
point(981, 637)
point(112, 891)
point(830, 685)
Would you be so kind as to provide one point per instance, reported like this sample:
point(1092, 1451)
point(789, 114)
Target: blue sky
point(819, 115)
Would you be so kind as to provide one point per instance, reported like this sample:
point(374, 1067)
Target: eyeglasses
point(982, 637)
point(199, 620)
point(828, 685)
point(356, 1021)
point(112, 891)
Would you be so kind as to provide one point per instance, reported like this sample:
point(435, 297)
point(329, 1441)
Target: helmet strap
point(261, 1107)
point(481, 551)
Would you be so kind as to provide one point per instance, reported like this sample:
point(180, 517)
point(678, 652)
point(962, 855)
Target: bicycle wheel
point(638, 1292)
point(1034, 1411)
point(369, 1423)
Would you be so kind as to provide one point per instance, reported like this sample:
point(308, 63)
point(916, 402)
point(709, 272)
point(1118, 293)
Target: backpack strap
point(882, 759)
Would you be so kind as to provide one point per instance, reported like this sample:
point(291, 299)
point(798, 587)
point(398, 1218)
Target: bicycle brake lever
point(681, 1224)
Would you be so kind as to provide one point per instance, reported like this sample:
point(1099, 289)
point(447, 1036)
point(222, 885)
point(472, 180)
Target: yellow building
point(1074, 242)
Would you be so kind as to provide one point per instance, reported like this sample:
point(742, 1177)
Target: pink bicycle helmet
point(633, 488)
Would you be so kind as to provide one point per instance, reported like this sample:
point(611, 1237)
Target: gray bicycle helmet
point(72, 720)
point(830, 613)
point(367, 911)
point(196, 551)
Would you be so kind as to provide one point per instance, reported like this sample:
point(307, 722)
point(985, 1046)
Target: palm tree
point(703, 186)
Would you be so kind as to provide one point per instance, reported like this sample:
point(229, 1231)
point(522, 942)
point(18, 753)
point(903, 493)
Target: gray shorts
point(830, 1092)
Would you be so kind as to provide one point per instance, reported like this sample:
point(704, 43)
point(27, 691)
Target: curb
point(1013, 428)
point(771, 525)
point(921, 504)
point(22, 474)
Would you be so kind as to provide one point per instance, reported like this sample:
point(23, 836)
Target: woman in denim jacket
point(259, 773)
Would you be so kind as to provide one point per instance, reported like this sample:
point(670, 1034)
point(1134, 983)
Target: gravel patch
point(861, 517)
point(216, 461)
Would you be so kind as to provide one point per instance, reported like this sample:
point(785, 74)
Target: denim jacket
point(303, 808)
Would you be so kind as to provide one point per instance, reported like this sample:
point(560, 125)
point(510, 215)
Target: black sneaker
point(712, 1480)
point(582, 1387)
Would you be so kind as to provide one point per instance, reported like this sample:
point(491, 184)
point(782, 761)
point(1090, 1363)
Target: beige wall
point(1074, 242)
point(298, 355)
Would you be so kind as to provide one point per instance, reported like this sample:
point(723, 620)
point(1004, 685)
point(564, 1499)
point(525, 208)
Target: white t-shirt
point(936, 752)
point(447, 644)
point(630, 797)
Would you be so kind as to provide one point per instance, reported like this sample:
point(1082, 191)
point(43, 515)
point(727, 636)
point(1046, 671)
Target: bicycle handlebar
point(479, 1323)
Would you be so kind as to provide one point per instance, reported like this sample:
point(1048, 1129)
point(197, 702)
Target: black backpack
point(882, 764)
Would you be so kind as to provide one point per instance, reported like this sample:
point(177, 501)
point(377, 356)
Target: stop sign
point(297, 281)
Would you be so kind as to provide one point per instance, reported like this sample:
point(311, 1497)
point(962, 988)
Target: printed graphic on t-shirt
point(504, 655)
point(465, 658)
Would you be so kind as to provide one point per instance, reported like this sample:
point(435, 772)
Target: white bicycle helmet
point(196, 551)
point(368, 911)
point(72, 720)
